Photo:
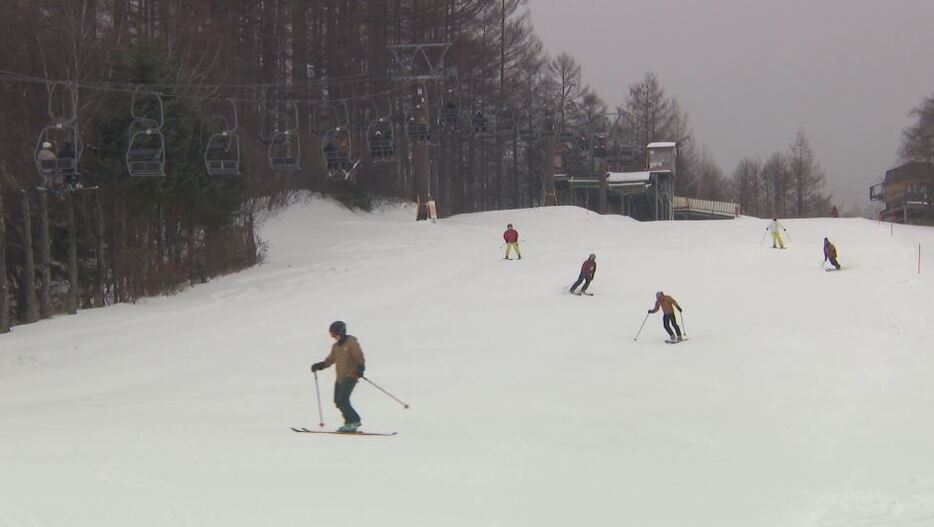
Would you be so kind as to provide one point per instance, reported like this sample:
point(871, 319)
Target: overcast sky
point(752, 72)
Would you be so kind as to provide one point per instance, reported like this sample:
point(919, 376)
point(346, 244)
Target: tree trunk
point(29, 280)
point(422, 178)
point(4, 284)
point(45, 257)
point(120, 18)
point(604, 189)
point(101, 245)
point(550, 198)
point(444, 182)
point(71, 299)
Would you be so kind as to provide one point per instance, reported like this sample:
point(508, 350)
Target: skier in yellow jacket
point(668, 306)
point(347, 358)
point(774, 226)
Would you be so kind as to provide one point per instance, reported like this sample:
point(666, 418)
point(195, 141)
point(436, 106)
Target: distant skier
point(588, 270)
point(350, 365)
point(834, 212)
point(830, 253)
point(512, 241)
point(668, 306)
point(774, 226)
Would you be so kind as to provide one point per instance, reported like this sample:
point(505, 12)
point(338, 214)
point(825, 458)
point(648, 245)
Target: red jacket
point(589, 268)
point(511, 235)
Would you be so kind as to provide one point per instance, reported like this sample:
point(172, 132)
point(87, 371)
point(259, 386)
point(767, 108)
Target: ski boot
point(349, 428)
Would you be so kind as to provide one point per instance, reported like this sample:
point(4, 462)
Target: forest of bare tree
point(140, 140)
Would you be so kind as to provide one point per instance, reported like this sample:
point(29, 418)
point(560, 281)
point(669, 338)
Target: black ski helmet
point(338, 328)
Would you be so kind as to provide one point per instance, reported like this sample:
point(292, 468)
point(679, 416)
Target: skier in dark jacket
point(349, 363)
point(588, 271)
point(830, 253)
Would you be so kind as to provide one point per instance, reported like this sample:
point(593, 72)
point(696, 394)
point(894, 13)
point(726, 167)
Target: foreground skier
point(668, 305)
point(349, 363)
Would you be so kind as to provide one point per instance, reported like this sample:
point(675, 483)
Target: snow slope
point(802, 399)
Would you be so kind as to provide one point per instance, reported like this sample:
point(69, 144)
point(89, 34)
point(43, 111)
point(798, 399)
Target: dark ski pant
point(342, 391)
point(833, 262)
point(584, 277)
point(670, 319)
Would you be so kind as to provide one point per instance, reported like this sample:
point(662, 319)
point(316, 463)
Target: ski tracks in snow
point(17, 516)
point(910, 505)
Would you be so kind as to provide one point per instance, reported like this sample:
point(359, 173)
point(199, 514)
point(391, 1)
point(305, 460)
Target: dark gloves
point(649, 311)
point(360, 370)
point(680, 310)
point(318, 366)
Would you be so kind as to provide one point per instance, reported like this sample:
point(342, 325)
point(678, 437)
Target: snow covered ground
point(803, 398)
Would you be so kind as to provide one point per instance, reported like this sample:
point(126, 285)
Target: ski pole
point(642, 326)
point(788, 235)
point(318, 396)
point(387, 393)
point(763, 237)
point(684, 328)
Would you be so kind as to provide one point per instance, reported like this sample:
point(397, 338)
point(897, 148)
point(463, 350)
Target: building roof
point(628, 177)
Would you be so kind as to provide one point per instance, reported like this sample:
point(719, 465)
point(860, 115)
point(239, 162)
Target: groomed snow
point(803, 398)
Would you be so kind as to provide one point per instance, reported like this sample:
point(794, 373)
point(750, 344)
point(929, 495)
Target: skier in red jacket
point(512, 241)
point(588, 270)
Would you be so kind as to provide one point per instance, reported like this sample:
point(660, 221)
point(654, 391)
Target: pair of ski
point(585, 293)
point(307, 431)
point(668, 341)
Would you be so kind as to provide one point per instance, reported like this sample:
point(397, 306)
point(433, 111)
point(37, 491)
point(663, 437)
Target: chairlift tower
point(417, 65)
point(662, 163)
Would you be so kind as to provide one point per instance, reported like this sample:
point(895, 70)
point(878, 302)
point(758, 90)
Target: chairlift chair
point(417, 125)
point(284, 151)
point(222, 152)
point(380, 140)
point(55, 168)
point(338, 149)
point(145, 153)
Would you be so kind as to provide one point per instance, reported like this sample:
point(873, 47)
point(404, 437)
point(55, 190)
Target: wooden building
point(907, 193)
